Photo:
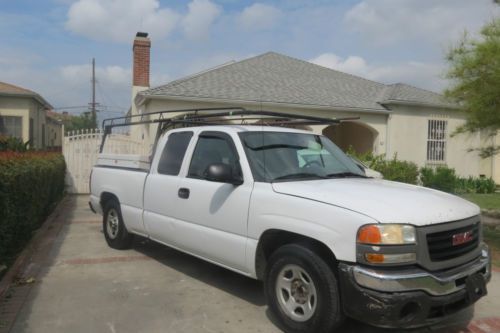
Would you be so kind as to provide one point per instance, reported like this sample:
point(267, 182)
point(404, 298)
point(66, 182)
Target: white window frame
point(437, 134)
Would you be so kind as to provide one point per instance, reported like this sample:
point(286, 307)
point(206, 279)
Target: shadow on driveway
point(252, 292)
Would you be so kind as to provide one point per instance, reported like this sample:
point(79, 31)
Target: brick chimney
point(141, 48)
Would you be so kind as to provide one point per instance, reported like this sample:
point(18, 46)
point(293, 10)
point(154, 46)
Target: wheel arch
point(106, 197)
point(272, 239)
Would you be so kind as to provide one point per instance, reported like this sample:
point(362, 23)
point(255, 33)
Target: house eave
point(413, 103)
point(141, 99)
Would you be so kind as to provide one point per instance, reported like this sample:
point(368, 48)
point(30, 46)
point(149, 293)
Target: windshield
point(281, 156)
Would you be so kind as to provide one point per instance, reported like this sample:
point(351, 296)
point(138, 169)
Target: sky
point(47, 45)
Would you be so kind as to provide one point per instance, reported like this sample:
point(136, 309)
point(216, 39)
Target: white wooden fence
point(81, 149)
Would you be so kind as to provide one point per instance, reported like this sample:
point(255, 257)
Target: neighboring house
point(23, 114)
point(394, 120)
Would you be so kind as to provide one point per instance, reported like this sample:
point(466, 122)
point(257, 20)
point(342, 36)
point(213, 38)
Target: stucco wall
point(408, 128)
point(53, 133)
point(37, 113)
point(17, 107)
point(27, 108)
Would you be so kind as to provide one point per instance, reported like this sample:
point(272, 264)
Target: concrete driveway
point(75, 283)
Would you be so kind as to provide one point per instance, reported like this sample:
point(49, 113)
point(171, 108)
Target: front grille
point(441, 246)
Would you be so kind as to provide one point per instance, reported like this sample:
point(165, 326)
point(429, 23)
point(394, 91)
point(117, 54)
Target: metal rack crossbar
point(214, 116)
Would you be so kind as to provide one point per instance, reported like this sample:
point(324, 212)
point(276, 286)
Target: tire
point(302, 291)
point(114, 229)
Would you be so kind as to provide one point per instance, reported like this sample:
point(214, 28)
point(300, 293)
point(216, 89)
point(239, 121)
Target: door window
point(173, 153)
point(213, 148)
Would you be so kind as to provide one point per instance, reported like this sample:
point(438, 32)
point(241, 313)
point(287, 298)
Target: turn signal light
point(387, 234)
point(377, 258)
point(374, 258)
point(369, 234)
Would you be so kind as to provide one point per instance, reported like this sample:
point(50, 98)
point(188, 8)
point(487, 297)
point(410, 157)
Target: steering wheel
point(310, 163)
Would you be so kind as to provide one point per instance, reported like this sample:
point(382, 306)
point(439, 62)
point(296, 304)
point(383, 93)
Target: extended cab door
point(160, 189)
point(214, 214)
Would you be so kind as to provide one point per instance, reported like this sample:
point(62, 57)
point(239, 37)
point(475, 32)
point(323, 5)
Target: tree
point(475, 75)
point(73, 123)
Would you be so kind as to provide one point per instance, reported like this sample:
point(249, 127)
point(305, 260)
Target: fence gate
point(81, 149)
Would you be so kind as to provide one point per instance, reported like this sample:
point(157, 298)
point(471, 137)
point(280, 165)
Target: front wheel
point(302, 291)
point(114, 229)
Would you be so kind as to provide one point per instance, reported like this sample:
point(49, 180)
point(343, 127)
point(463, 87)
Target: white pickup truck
point(290, 208)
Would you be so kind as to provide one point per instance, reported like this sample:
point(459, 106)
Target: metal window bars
point(213, 116)
point(436, 140)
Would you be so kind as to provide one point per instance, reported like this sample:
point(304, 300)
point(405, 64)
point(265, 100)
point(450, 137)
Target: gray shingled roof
point(276, 78)
point(403, 93)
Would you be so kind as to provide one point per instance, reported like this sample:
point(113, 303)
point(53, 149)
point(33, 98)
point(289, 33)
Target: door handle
point(183, 193)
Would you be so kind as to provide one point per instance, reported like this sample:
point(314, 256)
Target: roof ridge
point(330, 69)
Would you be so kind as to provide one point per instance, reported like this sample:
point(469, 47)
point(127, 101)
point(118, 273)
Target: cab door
point(214, 215)
point(160, 189)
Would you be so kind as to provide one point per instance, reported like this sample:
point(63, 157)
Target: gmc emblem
point(462, 238)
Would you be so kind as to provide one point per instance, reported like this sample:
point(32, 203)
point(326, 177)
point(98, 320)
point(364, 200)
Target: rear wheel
point(114, 229)
point(302, 291)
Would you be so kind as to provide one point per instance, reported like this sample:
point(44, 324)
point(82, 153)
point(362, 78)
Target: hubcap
point(296, 293)
point(112, 223)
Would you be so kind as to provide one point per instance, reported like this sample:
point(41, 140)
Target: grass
point(492, 238)
point(490, 201)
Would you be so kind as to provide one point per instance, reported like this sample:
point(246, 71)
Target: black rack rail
point(214, 116)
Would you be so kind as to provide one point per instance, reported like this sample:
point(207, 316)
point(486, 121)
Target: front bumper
point(413, 297)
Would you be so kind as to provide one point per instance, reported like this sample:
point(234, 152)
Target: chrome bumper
point(436, 284)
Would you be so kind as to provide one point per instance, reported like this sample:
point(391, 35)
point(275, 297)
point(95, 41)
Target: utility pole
point(93, 104)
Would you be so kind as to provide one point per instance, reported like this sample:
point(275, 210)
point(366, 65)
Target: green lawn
point(485, 201)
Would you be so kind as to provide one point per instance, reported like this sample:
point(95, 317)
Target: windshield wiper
point(346, 174)
point(299, 175)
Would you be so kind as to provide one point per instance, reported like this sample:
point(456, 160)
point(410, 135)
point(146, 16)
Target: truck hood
point(384, 201)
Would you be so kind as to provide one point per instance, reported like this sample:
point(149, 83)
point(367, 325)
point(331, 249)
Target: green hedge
point(444, 179)
point(396, 170)
point(399, 171)
point(31, 184)
point(440, 178)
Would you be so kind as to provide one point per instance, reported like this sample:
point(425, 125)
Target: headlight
point(386, 234)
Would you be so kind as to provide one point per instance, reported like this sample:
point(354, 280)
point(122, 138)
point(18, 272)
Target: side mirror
point(222, 173)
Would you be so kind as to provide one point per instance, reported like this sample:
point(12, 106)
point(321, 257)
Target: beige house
point(394, 120)
point(23, 114)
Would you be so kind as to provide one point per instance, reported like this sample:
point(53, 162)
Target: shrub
point(440, 178)
point(444, 179)
point(31, 184)
point(475, 185)
point(8, 143)
point(396, 170)
point(399, 171)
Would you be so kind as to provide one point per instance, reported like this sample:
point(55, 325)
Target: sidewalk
point(76, 283)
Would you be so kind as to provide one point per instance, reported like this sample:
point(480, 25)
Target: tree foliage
point(73, 123)
point(475, 75)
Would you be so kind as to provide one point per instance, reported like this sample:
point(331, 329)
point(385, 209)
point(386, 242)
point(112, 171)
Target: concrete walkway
point(76, 283)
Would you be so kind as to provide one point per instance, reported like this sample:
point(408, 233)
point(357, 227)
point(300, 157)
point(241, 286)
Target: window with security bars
point(436, 140)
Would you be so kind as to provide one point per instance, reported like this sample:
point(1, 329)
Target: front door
point(215, 214)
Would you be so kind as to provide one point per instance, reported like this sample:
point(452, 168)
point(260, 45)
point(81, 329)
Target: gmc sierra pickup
point(290, 208)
